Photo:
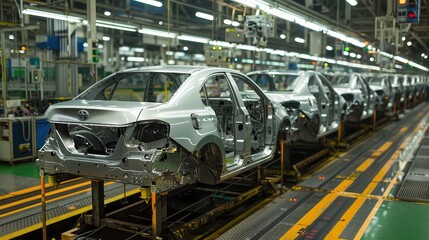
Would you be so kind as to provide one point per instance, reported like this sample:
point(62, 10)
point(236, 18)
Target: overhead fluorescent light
point(329, 48)
point(140, 50)
point(247, 47)
point(157, 33)
point(299, 40)
point(135, 59)
point(229, 22)
point(352, 2)
point(150, 2)
point(52, 15)
point(204, 16)
point(401, 59)
point(193, 39)
point(222, 44)
point(114, 25)
point(247, 3)
point(106, 38)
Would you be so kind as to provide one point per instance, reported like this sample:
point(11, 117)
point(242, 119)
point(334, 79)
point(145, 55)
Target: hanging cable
point(26, 138)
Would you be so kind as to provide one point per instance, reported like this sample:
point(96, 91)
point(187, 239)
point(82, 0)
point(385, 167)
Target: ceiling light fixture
point(409, 43)
point(113, 25)
point(229, 22)
point(329, 48)
point(282, 36)
point(51, 15)
point(139, 50)
point(204, 16)
point(352, 2)
point(150, 2)
point(157, 33)
point(106, 38)
point(135, 59)
point(107, 13)
point(193, 39)
point(299, 40)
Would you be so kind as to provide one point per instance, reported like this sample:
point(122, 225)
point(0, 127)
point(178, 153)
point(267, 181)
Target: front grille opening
point(100, 140)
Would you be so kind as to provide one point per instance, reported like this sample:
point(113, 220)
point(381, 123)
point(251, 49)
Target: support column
point(98, 213)
point(92, 34)
point(159, 211)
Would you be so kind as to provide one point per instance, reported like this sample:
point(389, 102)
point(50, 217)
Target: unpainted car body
point(164, 127)
point(409, 87)
point(381, 85)
point(307, 95)
point(361, 99)
point(398, 89)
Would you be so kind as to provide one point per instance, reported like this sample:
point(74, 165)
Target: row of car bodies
point(168, 126)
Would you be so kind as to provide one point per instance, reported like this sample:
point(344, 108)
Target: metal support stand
point(159, 212)
point(405, 103)
point(43, 191)
point(394, 108)
point(340, 133)
point(98, 213)
point(374, 121)
point(282, 163)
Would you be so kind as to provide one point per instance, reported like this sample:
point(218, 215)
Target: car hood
point(285, 96)
point(98, 112)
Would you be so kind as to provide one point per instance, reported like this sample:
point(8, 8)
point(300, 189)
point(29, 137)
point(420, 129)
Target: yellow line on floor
point(50, 200)
point(67, 215)
point(357, 204)
point(32, 189)
point(345, 219)
point(316, 211)
point(365, 165)
point(5, 206)
point(385, 146)
point(23, 191)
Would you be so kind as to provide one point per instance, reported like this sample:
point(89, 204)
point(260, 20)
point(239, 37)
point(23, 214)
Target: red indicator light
point(411, 14)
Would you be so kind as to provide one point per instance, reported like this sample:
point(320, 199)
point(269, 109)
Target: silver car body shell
point(361, 106)
point(129, 164)
point(309, 106)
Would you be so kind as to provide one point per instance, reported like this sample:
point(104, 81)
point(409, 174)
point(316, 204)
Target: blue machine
point(21, 137)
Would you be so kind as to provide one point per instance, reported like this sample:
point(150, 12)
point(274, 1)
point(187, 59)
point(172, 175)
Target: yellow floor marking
point(47, 194)
point(49, 201)
point(316, 211)
point(23, 191)
point(404, 129)
point(345, 219)
point(309, 218)
point(385, 146)
point(365, 165)
point(376, 154)
point(67, 215)
point(32, 189)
